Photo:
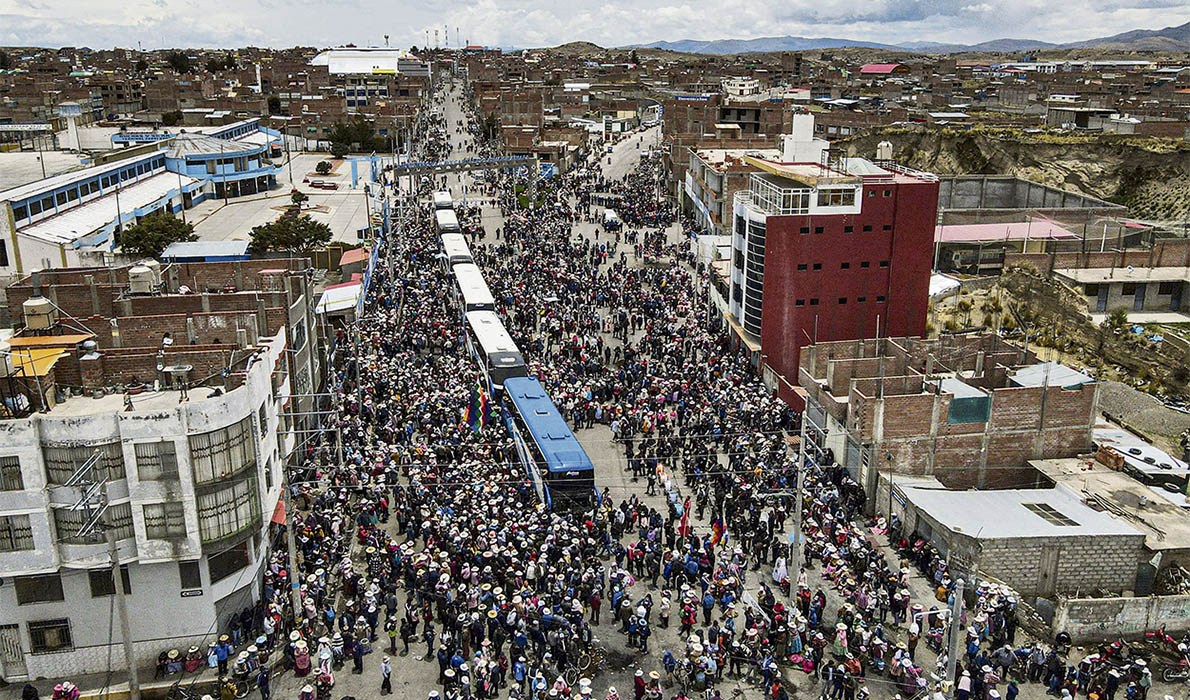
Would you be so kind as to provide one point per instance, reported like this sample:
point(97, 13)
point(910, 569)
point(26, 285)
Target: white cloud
point(522, 23)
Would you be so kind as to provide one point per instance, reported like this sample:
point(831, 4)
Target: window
point(34, 208)
point(10, 474)
point(867, 228)
point(264, 418)
point(61, 198)
point(865, 264)
point(813, 302)
point(165, 521)
point(1091, 290)
point(886, 227)
point(156, 460)
point(800, 302)
point(836, 197)
point(223, 452)
point(860, 300)
point(842, 300)
point(47, 636)
point(818, 229)
point(299, 337)
point(228, 509)
point(69, 522)
point(805, 229)
point(46, 588)
point(1129, 289)
point(801, 267)
point(102, 584)
point(1050, 514)
point(817, 266)
point(210, 167)
point(871, 193)
point(19, 213)
point(1168, 288)
point(61, 461)
point(228, 562)
point(880, 298)
point(883, 263)
point(15, 533)
point(888, 193)
point(190, 575)
point(845, 266)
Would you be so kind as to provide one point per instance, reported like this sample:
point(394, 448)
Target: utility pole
point(295, 580)
point(94, 499)
point(122, 608)
point(795, 570)
point(956, 628)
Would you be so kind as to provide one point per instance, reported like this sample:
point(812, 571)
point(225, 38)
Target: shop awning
point(279, 512)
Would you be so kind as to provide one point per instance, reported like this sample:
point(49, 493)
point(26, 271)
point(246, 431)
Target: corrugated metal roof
point(1050, 374)
point(205, 249)
point(201, 145)
point(56, 181)
point(87, 218)
point(1003, 513)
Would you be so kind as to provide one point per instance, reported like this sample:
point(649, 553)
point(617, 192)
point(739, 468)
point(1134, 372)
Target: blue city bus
point(557, 465)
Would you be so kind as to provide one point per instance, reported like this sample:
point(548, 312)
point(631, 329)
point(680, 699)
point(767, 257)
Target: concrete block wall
point(1089, 620)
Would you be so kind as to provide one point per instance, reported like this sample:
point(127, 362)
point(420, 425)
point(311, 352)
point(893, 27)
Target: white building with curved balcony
point(192, 487)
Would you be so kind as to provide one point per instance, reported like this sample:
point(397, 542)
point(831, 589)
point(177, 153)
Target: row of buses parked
point(556, 464)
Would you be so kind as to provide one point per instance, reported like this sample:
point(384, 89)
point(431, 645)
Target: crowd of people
point(419, 537)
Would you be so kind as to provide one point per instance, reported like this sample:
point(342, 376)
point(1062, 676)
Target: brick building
point(193, 385)
point(969, 411)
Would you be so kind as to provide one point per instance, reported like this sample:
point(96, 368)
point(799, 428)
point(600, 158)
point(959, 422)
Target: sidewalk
point(115, 687)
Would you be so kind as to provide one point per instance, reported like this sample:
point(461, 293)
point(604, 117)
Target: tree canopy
point(291, 235)
point(355, 135)
point(179, 61)
point(153, 234)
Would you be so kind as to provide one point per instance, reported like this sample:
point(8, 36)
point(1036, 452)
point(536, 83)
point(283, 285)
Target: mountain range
point(1167, 39)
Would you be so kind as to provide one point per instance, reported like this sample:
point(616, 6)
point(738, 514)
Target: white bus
point(472, 290)
point(446, 221)
point(494, 349)
point(455, 251)
point(442, 200)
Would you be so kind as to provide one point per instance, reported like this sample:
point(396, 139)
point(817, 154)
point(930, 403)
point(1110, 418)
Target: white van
point(610, 219)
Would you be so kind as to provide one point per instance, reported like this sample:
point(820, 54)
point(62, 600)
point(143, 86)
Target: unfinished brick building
point(968, 410)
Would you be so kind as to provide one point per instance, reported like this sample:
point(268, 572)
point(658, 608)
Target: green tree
point(632, 58)
point(171, 118)
point(179, 62)
point(5, 61)
point(141, 65)
point(297, 197)
point(153, 234)
point(489, 127)
point(323, 167)
point(274, 104)
point(355, 135)
point(296, 235)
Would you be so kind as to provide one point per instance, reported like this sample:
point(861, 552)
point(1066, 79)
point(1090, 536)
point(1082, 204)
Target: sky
point(534, 23)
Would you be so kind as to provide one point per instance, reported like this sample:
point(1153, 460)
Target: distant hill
point(1167, 39)
point(762, 45)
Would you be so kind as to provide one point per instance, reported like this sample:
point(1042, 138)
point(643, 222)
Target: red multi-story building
point(828, 250)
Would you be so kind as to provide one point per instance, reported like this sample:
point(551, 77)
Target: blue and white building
point(70, 219)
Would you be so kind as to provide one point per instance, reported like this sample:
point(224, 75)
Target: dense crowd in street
point(418, 536)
